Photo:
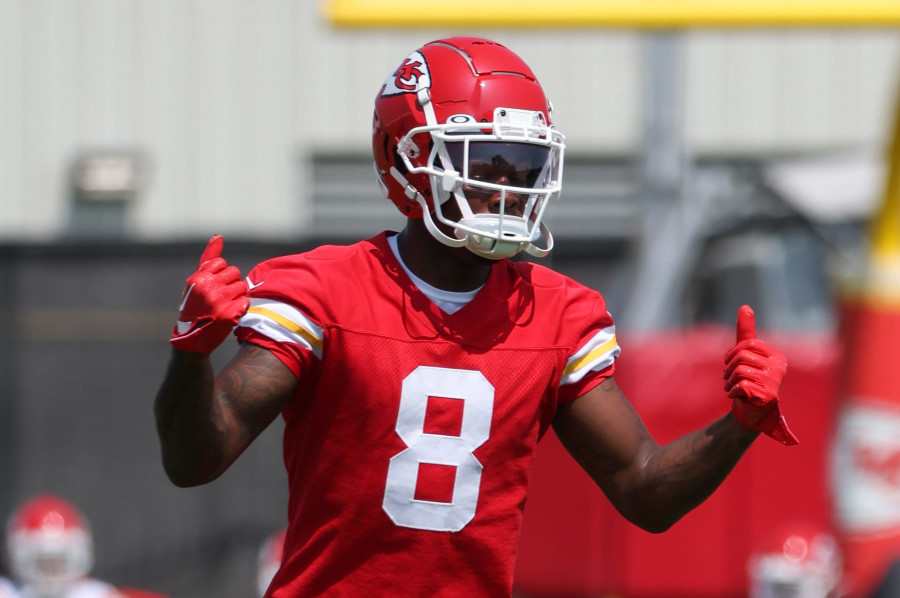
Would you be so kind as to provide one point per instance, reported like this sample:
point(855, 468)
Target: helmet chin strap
point(497, 249)
point(536, 251)
point(494, 249)
point(491, 249)
point(433, 228)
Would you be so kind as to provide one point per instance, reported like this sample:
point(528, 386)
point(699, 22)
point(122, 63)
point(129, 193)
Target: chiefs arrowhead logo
point(407, 76)
point(410, 76)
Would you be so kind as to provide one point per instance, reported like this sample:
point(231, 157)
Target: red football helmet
point(269, 560)
point(464, 118)
point(49, 545)
point(801, 560)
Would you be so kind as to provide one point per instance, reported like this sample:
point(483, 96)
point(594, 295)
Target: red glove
point(214, 299)
point(754, 373)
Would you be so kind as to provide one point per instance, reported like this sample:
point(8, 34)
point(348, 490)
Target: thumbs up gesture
point(754, 373)
point(214, 299)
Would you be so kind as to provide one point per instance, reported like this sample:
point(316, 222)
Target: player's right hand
point(214, 299)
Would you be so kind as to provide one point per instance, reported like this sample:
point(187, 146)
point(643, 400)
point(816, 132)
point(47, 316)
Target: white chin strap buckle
point(496, 243)
point(491, 248)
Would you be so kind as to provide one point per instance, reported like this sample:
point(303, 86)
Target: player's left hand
point(754, 373)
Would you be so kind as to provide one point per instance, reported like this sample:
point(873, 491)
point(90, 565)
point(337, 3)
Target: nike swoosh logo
point(185, 298)
point(251, 285)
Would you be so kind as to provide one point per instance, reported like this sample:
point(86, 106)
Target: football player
point(50, 553)
point(417, 371)
point(796, 560)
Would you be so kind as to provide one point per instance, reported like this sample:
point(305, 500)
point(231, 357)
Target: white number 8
point(477, 395)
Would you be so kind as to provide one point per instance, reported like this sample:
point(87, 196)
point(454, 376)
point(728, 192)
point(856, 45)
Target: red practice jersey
point(410, 441)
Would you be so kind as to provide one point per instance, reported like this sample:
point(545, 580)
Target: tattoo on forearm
point(250, 383)
point(701, 459)
point(594, 463)
point(232, 383)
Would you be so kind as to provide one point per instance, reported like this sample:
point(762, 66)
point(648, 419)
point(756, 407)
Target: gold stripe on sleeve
point(604, 348)
point(290, 325)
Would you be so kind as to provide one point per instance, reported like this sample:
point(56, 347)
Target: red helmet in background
point(452, 111)
point(801, 560)
point(49, 545)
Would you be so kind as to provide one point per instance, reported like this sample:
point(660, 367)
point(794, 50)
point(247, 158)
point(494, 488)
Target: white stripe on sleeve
point(283, 323)
point(595, 355)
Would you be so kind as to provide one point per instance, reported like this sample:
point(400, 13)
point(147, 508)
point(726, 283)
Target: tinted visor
point(520, 164)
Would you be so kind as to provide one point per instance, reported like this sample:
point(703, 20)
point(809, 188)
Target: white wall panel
point(227, 98)
point(222, 97)
point(789, 91)
point(13, 187)
point(591, 79)
point(49, 101)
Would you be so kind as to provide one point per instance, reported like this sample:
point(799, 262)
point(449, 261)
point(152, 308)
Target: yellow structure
point(658, 14)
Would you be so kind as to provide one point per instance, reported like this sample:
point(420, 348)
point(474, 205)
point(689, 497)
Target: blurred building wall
point(228, 101)
point(82, 350)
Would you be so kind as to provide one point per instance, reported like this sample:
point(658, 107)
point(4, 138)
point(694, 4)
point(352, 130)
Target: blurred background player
point(269, 560)
point(799, 560)
point(50, 553)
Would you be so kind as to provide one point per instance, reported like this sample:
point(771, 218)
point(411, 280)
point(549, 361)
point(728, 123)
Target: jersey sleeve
point(277, 321)
point(594, 355)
